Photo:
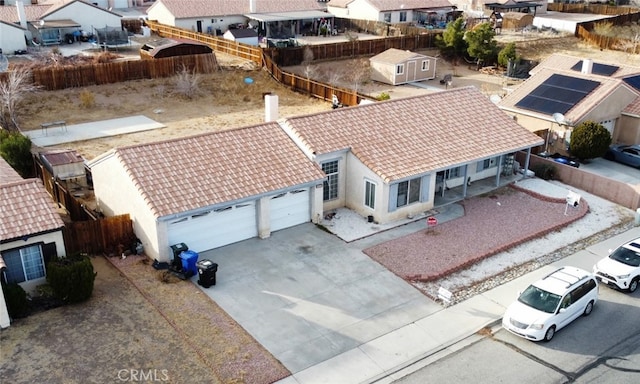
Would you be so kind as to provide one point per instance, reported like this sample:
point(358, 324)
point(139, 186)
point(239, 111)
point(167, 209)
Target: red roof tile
point(182, 9)
point(410, 136)
point(26, 209)
point(7, 173)
point(183, 174)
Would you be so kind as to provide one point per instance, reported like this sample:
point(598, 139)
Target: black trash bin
point(207, 272)
point(177, 249)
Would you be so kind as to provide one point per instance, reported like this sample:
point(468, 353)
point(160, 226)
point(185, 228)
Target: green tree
point(15, 148)
point(507, 53)
point(482, 44)
point(589, 140)
point(451, 43)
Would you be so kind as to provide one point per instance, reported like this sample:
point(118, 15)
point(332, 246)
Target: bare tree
point(188, 83)
point(13, 89)
point(358, 73)
point(309, 69)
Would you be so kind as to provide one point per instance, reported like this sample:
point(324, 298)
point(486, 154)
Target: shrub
point(544, 171)
point(16, 299)
point(15, 148)
point(589, 140)
point(71, 278)
point(87, 99)
point(383, 96)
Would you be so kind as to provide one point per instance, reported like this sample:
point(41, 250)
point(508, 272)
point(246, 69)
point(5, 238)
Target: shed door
point(411, 71)
point(215, 228)
point(289, 209)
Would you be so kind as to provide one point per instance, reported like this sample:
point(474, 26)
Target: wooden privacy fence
point(105, 235)
point(311, 87)
point(218, 44)
point(71, 76)
point(598, 9)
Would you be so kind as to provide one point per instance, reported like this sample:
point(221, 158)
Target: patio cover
point(54, 24)
point(299, 15)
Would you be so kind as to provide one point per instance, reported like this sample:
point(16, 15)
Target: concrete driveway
point(307, 296)
point(613, 170)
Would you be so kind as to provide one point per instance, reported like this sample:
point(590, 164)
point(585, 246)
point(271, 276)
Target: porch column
point(526, 163)
point(264, 220)
point(500, 161)
point(465, 181)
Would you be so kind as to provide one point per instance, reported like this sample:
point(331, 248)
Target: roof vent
point(587, 66)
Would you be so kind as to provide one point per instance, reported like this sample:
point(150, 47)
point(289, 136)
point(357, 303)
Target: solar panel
point(558, 94)
point(633, 81)
point(597, 69)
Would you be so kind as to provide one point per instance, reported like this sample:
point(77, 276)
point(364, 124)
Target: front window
point(486, 164)
point(24, 264)
point(369, 194)
point(540, 299)
point(403, 16)
point(330, 169)
point(408, 192)
point(387, 17)
point(453, 173)
point(399, 69)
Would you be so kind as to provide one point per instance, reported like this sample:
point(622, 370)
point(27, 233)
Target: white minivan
point(551, 303)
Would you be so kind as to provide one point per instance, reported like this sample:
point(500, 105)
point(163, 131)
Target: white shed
point(244, 36)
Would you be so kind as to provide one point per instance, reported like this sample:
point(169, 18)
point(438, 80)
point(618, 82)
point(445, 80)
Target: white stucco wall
point(52, 237)
point(11, 39)
point(557, 24)
point(87, 16)
point(362, 10)
point(4, 313)
point(116, 195)
point(161, 14)
point(356, 175)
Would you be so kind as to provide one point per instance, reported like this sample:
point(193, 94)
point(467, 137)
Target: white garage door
point(215, 228)
point(289, 209)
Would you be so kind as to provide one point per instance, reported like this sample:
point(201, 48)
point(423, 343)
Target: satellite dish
point(41, 23)
point(559, 118)
point(495, 99)
point(4, 63)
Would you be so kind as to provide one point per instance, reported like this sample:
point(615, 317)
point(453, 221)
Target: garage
point(289, 209)
point(215, 228)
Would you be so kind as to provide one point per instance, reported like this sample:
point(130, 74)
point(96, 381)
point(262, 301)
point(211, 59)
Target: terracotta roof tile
point(395, 5)
point(7, 173)
point(26, 209)
point(188, 173)
point(182, 9)
point(410, 136)
point(633, 108)
point(9, 13)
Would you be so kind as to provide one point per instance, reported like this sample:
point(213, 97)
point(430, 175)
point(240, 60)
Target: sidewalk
point(405, 350)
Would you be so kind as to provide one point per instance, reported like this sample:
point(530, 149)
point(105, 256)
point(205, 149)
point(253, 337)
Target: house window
point(24, 264)
point(370, 194)
point(486, 164)
point(387, 17)
point(408, 192)
point(330, 169)
point(399, 69)
point(454, 173)
point(425, 65)
point(403, 16)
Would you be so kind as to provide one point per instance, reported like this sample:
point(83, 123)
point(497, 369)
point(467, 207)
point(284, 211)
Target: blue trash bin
point(189, 259)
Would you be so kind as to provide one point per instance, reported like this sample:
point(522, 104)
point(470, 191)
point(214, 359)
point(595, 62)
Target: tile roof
point(61, 157)
point(188, 173)
point(26, 209)
point(395, 5)
point(607, 86)
point(394, 55)
point(633, 108)
point(183, 9)
point(411, 136)
point(9, 13)
point(565, 62)
point(7, 173)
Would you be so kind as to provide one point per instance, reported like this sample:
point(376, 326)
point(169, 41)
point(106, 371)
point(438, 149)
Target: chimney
point(270, 107)
point(252, 6)
point(587, 66)
point(22, 16)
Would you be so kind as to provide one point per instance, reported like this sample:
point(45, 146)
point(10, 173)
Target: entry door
point(411, 71)
point(199, 26)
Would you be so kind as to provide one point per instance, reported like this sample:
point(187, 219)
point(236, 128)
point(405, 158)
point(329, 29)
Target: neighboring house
point(270, 18)
point(30, 230)
point(209, 190)
point(564, 91)
point(49, 23)
point(387, 160)
point(12, 38)
point(387, 11)
point(480, 8)
point(395, 66)
point(244, 36)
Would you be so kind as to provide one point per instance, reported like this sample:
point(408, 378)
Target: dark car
point(625, 154)
point(562, 159)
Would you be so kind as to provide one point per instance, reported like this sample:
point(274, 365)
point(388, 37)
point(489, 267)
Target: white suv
point(551, 303)
point(621, 269)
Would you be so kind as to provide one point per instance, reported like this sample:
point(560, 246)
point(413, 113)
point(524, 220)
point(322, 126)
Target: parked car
point(562, 159)
point(625, 154)
point(551, 303)
point(621, 269)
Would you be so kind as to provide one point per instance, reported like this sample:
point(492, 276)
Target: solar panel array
point(598, 69)
point(558, 94)
point(633, 81)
